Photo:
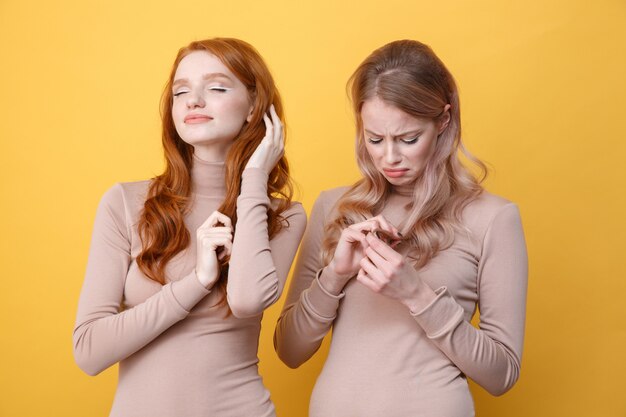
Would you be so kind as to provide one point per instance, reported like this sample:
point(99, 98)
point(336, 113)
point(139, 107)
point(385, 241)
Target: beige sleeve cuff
point(254, 183)
point(188, 291)
point(440, 316)
point(321, 302)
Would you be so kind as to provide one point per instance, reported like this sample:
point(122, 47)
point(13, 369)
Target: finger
point(215, 218)
point(216, 229)
point(226, 251)
point(366, 226)
point(387, 226)
point(367, 281)
point(378, 261)
point(275, 118)
point(269, 127)
point(353, 236)
point(209, 222)
point(212, 243)
point(370, 269)
point(383, 249)
point(228, 247)
point(220, 236)
point(278, 126)
point(385, 236)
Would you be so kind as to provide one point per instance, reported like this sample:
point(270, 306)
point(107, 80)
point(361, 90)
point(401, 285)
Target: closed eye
point(409, 141)
point(180, 93)
point(374, 140)
point(219, 89)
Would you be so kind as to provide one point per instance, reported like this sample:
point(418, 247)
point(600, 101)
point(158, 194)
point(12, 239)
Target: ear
point(249, 117)
point(444, 119)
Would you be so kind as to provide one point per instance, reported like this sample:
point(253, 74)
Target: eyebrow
point(413, 132)
point(205, 77)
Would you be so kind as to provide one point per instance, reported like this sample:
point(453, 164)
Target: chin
point(400, 181)
point(205, 140)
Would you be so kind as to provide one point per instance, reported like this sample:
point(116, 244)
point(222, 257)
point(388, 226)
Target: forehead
point(199, 64)
point(381, 117)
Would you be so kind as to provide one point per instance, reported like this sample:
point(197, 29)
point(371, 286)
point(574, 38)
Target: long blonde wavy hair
point(408, 75)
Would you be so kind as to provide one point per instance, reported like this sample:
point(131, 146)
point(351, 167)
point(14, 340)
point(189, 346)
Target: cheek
point(177, 111)
point(373, 151)
point(421, 154)
point(237, 108)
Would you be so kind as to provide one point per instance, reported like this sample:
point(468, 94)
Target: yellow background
point(543, 102)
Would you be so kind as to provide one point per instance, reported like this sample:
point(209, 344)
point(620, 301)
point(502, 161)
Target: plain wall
point(542, 87)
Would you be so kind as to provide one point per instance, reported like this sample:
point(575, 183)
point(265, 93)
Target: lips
point(197, 118)
point(396, 172)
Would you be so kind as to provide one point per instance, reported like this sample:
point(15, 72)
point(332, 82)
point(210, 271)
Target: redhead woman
point(182, 266)
point(398, 263)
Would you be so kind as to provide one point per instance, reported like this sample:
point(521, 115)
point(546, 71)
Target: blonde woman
point(398, 263)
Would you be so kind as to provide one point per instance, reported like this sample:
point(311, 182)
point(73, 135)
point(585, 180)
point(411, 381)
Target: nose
point(392, 155)
point(195, 99)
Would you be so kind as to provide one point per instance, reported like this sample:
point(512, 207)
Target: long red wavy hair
point(161, 225)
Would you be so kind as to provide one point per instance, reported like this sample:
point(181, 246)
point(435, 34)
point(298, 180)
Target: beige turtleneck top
point(180, 355)
point(385, 360)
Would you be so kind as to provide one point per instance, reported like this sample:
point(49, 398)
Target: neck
point(403, 190)
point(213, 152)
point(208, 177)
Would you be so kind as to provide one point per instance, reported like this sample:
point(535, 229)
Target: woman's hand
point(350, 250)
point(385, 271)
point(272, 146)
point(214, 242)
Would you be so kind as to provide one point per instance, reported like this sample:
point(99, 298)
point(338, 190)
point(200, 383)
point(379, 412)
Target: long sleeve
point(104, 335)
point(490, 355)
point(309, 310)
point(259, 267)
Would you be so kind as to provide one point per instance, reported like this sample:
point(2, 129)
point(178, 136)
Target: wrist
point(254, 181)
point(255, 171)
point(331, 281)
point(332, 269)
point(419, 298)
point(204, 281)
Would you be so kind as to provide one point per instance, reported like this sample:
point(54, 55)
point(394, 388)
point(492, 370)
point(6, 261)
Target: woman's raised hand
point(272, 146)
point(385, 271)
point(351, 249)
point(214, 240)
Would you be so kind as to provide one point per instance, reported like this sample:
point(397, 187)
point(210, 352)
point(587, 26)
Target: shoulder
point(135, 189)
point(482, 212)
point(295, 212)
point(327, 200)
point(488, 202)
point(125, 198)
point(127, 191)
point(294, 216)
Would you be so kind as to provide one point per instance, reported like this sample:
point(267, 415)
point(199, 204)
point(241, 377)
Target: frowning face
point(398, 143)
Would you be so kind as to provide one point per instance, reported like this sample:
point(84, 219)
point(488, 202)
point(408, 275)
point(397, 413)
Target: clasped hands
point(367, 250)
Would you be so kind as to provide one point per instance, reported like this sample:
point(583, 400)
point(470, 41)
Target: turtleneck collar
point(207, 178)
